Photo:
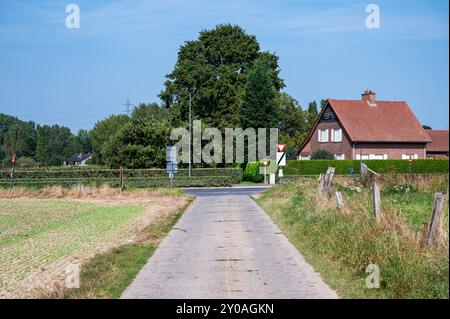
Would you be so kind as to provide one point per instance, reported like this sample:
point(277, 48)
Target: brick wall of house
point(343, 147)
point(392, 150)
point(437, 155)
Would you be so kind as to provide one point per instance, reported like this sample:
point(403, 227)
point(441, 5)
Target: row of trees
point(48, 145)
point(226, 77)
point(228, 81)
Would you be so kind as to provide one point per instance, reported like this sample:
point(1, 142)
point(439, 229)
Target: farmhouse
point(367, 128)
point(77, 159)
point(438, 148)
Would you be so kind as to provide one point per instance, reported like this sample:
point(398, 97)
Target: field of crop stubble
point(42, 232)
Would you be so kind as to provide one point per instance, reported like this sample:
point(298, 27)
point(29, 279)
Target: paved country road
point(226, 246)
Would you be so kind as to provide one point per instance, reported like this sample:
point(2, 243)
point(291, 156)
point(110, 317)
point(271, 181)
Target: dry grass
point(341, 243)
point(43, 231)
point(84, 192)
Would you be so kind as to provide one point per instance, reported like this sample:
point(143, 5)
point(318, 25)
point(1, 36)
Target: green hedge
point(251, 172)
point(112, 173)
point(315, 167)
point(202, 177)
point(194, 181)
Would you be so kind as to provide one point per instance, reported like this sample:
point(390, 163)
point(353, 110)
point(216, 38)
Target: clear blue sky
point(51, 74)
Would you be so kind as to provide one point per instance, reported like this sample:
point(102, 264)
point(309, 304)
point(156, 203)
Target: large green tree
point(214, 70)
point(102, 132)
point(140, 143)
point(53, 144)
point(312, 114)
point(83, 141)
point(293, 123)
point(20, 139)
point(16, 136)
point(258, 108)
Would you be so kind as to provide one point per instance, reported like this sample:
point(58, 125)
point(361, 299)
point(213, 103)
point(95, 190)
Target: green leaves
point(258, 108)
point(214, 69)
point(139, 143)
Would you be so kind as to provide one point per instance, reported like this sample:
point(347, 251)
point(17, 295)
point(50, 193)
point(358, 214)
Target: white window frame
point(364, 156)
point(408, 156)
point(338, 138)
point(320, 136)
point(376, 156)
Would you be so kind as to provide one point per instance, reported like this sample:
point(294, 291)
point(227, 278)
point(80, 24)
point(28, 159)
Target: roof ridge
point(359, 100)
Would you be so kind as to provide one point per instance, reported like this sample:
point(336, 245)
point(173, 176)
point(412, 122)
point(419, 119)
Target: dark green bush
point(251, 172)
point(322, 155)
point(419, 166)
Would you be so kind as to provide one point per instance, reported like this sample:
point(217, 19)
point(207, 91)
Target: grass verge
point(340, 244)
point(107, 275)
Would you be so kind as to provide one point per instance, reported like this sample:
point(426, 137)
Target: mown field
point(42, 232)
point(340, 244)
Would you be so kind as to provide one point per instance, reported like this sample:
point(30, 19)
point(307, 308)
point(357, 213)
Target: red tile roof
point(439, 140)
point(385, 122)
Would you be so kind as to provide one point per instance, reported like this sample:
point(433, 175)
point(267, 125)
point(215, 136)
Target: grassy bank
point(107, 275)
point(341, 244)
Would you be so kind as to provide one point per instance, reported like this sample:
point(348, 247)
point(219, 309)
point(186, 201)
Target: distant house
point(77, 159)
point(438, 148)
point(367, 128)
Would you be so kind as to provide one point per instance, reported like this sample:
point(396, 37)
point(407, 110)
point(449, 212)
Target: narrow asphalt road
point(226, 246)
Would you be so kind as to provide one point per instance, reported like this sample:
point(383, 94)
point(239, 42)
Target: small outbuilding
point(77, 159)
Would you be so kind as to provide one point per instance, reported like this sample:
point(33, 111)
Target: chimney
point(369, 97)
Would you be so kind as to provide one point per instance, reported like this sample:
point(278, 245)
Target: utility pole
point(128, 105)
point(190, 132)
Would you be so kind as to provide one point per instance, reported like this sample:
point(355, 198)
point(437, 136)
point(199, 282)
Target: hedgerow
point(202, 177)
point(343, 167)
point(251, 172)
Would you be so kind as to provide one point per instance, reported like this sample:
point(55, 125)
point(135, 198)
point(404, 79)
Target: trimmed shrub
point(251, 172)
point(419, 166)
point(201, 177)
point(322, 155)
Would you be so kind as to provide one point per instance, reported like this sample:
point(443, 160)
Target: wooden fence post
point(121, 178)
point(339, 200)
point(435, 229)
point(376, 201)
point(328, 183)
point(363, 173)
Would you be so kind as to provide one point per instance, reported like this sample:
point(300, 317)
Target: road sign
point(171, 159)
point(171, 154)
point(172, 167)
point(280, 172)
point(281, 147)
point(281, 158)
point(265, 162)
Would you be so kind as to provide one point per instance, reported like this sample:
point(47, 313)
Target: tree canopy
point(140, 143)
point(231, 81)
point(214, 69)
point(258, 108)
point(102, 132)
